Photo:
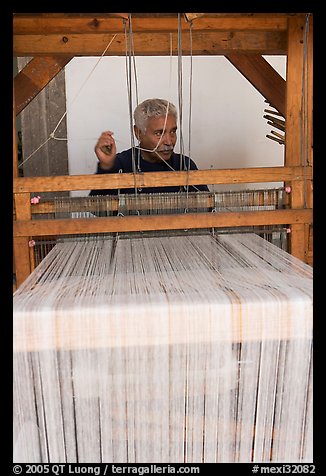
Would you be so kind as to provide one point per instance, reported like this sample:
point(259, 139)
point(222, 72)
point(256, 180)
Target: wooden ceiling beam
point(203, 43)
point(38, 25)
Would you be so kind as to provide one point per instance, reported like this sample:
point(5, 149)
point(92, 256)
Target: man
point(156, 130)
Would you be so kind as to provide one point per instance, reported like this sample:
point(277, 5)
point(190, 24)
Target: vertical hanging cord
point(167, 111)
point(190, 109)
point(304, 101)
point(136, 89)
point(129, 92)
point(190, 95)
point(136, 168)
point(134, 63)
point(182, 165)
point(166, 115)
point(129, 74)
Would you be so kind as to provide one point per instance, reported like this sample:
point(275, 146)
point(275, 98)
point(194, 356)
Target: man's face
point(156, 134)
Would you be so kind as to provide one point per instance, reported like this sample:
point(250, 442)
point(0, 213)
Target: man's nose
point(167, 139)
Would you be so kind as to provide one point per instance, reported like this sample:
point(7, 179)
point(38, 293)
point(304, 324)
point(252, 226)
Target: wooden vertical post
point(309, 185)
point(309, 76)
point(23, 256)
point(14, 162)
point(22, 252)
point(297, 141)
point(14, 141)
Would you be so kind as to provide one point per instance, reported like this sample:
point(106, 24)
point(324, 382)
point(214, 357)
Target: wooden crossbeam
point(151, 43)
point(151, 179)
point(182, 221)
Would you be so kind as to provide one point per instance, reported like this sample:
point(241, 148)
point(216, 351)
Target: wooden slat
point(146, 43)
point(262, 76)
point(159, 222)
point(152, 179)
point(35, 76)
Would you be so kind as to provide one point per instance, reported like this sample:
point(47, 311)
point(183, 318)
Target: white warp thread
point(182, 349)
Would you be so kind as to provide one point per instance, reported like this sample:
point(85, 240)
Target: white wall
point(228, 129)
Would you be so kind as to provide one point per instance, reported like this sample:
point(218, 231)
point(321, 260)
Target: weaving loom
point(185, 348)
point(190, 344)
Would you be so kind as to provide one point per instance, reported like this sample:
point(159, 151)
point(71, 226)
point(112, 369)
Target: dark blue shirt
point(124, 163)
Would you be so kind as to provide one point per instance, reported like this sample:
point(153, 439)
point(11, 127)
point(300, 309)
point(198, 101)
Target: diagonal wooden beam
point(35, 76)
point(262, 76)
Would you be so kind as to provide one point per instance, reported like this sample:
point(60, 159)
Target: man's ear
point(137, 132)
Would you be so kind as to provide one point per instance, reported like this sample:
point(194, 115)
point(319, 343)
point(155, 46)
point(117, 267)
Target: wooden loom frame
point(53, 39)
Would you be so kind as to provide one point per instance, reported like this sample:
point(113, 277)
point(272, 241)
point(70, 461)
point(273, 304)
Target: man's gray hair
point(152, 108)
